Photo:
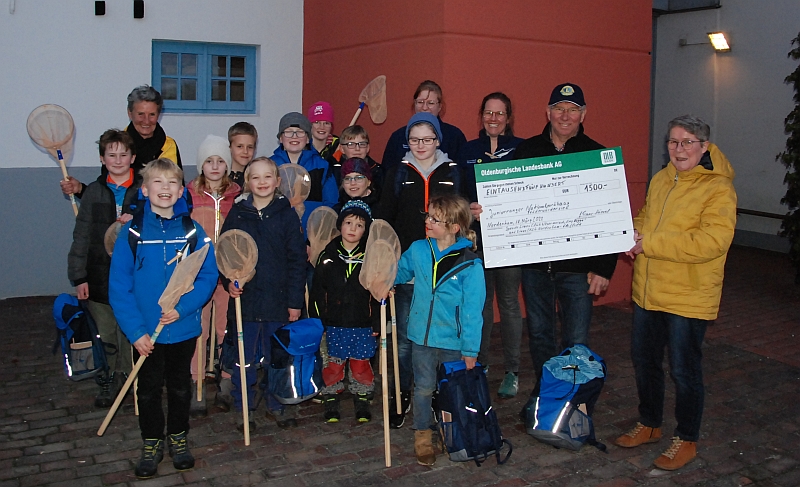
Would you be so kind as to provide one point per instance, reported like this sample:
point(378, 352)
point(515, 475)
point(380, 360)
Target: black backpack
point(82, 350)
point(467, 421)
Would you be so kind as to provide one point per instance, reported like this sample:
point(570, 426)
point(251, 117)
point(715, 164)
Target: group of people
point(424, 187)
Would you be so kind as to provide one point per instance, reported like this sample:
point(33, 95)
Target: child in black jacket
point(348, 312)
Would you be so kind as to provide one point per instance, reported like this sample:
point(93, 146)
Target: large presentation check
point(554, 208)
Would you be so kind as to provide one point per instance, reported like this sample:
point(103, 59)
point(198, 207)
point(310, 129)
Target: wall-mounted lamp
point(719, 41)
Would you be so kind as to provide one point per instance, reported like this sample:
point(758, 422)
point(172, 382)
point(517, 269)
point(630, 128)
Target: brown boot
point(677, 455)
point(639, 435)
point(423, 447)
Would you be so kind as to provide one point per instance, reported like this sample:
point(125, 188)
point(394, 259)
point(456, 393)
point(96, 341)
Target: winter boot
point(223, 400)
point(182, 458)
point(331, 402)
point(396, 421)
point(198, 409)
point(284, 418)
point(423, 447)
point(105, 398)
point(361, 403)
point(152, 454)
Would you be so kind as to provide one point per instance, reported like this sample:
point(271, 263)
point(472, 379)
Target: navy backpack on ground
point(467, 421)
point(568, 388)
point(82, 350)
point(295, 372)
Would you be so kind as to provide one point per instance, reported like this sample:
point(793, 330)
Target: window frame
point(204, 52)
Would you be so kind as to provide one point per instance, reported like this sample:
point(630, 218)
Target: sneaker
point(152, 454)
point(509, 387)
point(331, 402)
point(282, 418)
point(198, 409)
point(678, 454)
point(105, 398)
point(639, 435)
point(182, 458)
point(361, 403)
point(396, 421)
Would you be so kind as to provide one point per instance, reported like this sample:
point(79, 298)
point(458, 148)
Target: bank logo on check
point(608, 157)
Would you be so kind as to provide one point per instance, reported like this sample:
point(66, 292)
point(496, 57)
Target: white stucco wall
point(740, 94)
point(57, 51)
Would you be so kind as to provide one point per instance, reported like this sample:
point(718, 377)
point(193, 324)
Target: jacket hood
point(460, 243)
point(713, 162)
point(441, 159)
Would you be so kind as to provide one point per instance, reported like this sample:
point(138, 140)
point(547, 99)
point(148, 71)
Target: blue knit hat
point(358, 208)
point(425, 117)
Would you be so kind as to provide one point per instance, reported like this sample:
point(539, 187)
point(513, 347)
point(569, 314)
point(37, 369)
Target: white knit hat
point(213, 145)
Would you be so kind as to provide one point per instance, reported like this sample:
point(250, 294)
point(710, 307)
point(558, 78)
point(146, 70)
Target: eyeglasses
point(569, 111)
point(425, 141)
point(293, 134)
point(672, 144)
point(435, 221)
point(353, 179)
point(489, 113)
point(429, 103)
point(353, 145)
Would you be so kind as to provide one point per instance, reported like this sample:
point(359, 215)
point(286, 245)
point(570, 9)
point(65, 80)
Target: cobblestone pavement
point(750, 432)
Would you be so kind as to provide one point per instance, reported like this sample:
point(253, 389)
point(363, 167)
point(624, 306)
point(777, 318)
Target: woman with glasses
point(682, 236)
point(496, 142)
point(425, 172)
point(427, 99)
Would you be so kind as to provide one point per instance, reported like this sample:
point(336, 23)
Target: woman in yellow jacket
point(682, 237)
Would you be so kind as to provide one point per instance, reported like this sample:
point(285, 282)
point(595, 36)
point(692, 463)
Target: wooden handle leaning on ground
point(387, 443)
point(212, 338)
point(242, 374)
point(66, 176)
point(201, 366)
point(127, 385)
point(395, 357)
point(358, 112)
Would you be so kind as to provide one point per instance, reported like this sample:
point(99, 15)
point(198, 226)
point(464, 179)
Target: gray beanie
point(294, 119)
point(213, 145)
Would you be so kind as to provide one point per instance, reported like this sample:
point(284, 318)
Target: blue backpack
point(467, 421)
point(569, 386)
point(295, 371)
point(82, 350)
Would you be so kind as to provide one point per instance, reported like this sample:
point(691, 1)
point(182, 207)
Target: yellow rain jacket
point(687, 226)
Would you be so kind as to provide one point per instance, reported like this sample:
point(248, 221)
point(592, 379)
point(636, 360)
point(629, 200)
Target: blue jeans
point(426, 362)
point(403, 295)
point(652, 331)
point(504, 280)
point(542, 291)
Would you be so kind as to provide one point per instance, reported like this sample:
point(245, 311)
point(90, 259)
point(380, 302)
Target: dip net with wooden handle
point(110, 237)
point(51, 127)
point(321, 230)
point(295, 185)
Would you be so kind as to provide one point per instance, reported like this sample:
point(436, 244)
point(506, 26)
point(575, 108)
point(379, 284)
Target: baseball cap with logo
point(569, 92)
point(320, 111)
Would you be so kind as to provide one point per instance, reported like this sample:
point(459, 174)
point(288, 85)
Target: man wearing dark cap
point(570, 283)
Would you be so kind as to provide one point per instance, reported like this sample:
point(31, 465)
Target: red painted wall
point(474, 47)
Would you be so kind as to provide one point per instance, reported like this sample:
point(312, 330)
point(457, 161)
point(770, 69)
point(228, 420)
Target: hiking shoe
point(251, 422)
point(105, 398)
point(197, 409)
point(423, 447)
point(509, 387)
point(396, 421)
point(182, 458)
point(678, 454)
point(152, 454)
point(361, 403)
point(331, 402)
point(282, 418)
point(639, 435)
point(223, 400)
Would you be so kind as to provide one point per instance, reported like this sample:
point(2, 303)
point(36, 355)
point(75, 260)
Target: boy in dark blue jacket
point(137, 280)
point(275, 295)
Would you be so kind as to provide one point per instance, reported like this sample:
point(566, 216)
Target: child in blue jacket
point(136, 283)
point(276, 293)
point(445, 321)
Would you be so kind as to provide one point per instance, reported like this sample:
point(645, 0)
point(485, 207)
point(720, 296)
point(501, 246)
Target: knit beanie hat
point(357, 165)
point(213, 145)
point(425, 117)
point(358, 208)
point(294, 119)
point(321, 111)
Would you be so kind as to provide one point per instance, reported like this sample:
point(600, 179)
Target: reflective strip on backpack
point(291, 377)
point(564, 411)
